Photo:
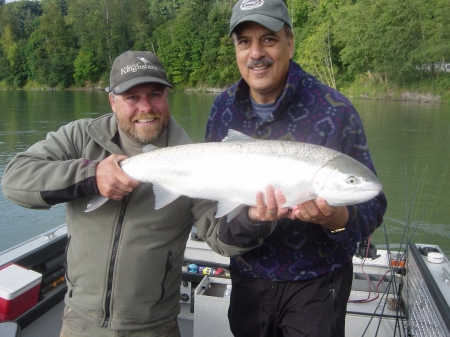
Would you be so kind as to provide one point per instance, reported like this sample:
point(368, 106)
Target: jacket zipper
point(168, 268)
point(67, 269)
point(123, 209)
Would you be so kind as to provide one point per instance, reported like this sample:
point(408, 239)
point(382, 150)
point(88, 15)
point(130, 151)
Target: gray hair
point(287, 32)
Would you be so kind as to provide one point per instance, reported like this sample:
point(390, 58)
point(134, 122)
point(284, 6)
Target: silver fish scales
point(233, 171)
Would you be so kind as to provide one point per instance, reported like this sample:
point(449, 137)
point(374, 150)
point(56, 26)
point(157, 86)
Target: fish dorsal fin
point(229, 208)
point(236, 136)
point(163, 196)
point(149, 148)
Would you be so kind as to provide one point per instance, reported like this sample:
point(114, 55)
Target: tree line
point(72, 43)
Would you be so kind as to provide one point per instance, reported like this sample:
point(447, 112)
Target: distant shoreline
point(404, 96)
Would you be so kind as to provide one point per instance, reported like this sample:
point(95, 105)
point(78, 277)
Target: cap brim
point(270, 23)
point(122, 87)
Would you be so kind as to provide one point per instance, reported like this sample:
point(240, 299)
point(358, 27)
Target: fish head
point(345, 181)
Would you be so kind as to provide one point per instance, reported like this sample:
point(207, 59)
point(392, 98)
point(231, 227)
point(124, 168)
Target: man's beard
point(145, 135)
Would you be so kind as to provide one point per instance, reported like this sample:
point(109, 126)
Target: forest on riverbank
point(367, 48)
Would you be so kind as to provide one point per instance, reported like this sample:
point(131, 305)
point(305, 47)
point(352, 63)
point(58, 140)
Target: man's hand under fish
point(315, 211)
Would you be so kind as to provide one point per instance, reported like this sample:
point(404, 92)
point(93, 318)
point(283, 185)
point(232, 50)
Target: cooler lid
point(15, 280)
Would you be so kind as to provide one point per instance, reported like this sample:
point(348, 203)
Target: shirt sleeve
point(50, 172)
point(229, 238)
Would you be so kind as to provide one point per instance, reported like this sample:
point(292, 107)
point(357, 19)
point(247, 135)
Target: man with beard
point(124, 259)
point(297, 280)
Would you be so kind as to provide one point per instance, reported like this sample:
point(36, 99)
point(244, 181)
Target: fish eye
point(352, 180)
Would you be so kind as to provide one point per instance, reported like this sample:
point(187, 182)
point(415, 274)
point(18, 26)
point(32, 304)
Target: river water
point(409, 143)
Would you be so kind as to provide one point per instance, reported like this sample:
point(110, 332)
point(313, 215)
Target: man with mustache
point(124, 259)
point(292, 279)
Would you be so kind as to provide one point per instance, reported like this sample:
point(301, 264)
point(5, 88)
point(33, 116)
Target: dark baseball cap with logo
point(135, 67)
point(272, 14)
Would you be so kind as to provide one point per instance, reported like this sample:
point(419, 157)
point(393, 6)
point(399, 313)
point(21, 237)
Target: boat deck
point(368, 318)
point(373, 309)
point(359, 317)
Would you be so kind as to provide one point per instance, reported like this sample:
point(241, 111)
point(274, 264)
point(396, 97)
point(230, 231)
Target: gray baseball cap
point(272, 14)
point(135, 67)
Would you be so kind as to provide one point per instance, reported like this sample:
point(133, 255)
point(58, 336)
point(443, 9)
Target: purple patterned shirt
point(307, 111)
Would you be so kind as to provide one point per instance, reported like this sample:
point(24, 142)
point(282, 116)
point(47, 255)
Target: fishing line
point(391, 284)
point(383, 307)
point(409, 235)
point(409, 210)
point(438, 187)
point(397, 293)
point(441, 182)
point(406, 195)
point(421, 184)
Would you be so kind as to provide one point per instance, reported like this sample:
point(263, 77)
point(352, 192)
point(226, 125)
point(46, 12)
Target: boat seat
point(9, 329)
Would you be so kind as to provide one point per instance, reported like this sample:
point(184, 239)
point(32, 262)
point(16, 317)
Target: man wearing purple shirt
point(292, 279)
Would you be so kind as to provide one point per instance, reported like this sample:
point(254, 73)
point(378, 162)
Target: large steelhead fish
point(233, 171)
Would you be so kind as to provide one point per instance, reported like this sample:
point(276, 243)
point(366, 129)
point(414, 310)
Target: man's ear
point(112, 101)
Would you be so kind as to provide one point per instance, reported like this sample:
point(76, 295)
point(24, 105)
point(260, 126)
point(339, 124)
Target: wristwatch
point(337, 230)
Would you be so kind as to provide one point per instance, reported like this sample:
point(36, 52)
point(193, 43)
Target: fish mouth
point(353, 198)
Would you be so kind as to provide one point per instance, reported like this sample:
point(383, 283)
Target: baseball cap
point(135, 67)
point(272, 14)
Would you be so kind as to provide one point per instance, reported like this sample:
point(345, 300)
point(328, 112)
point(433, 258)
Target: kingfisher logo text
point(136, 66)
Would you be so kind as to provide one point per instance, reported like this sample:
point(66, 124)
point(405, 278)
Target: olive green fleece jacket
point(124, 259)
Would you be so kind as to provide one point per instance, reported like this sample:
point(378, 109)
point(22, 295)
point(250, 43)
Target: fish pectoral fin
point(299, 198)
point(163, 196)
point(230, 208)
point(95, 202)
point(236, 136)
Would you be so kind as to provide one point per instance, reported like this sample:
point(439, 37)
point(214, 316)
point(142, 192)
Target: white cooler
point(19, 291)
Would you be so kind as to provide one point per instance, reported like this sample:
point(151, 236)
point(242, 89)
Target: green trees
point(60, 43)
point(54, 54)
point(194, 45)
point(390, 40)
point(86, 69)
point(315, 49)
point(17, 21)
